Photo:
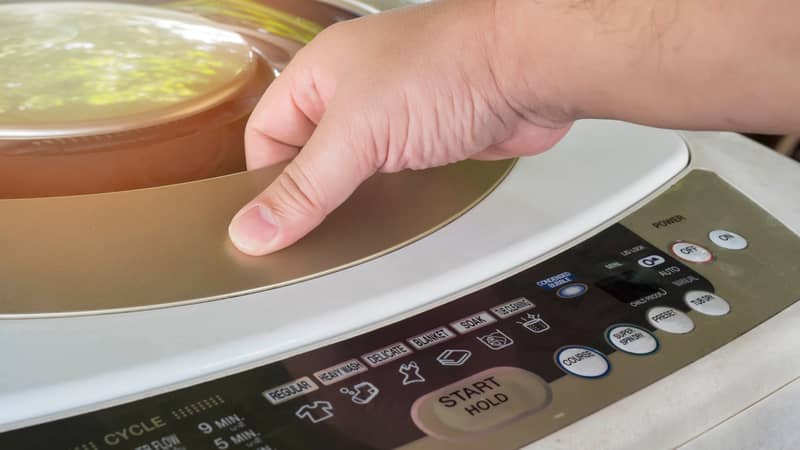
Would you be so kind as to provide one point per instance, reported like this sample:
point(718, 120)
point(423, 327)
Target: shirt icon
point(315, 412)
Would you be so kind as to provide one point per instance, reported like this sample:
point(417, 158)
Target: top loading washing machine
point(631, 288)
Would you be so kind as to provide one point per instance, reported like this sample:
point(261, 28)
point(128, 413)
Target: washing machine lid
point(600, 170)
point(168, 246)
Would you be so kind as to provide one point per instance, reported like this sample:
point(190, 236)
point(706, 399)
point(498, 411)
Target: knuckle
point(378, 134)
point(367, 140)
point(330, 36)
point(297, 195)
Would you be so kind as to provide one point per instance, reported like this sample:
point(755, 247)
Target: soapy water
point(100, 97)
point(71, 62)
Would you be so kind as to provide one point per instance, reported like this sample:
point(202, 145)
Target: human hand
point(409, 89)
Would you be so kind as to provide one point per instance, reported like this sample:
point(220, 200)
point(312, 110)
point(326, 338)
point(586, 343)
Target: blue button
point(572, 290)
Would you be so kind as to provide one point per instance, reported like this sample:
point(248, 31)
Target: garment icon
point(410, 373)
point(315, 412)
point(362, 393)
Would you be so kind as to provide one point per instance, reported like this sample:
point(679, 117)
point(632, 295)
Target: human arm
point(456, 79)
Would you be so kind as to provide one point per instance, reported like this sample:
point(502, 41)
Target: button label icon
point(473, 322)
point(340, 372)
point(512, 308)
point(651, 261)
point(410, 373)
point(669, 271)
point(316, 412)
point(362, 393)
point(386, 354)
point(496, 340)
point(431, 338)
point(632, 250)
point(290, 390)
point(683, 281)
point(555, 281)
point(534, 323)
point(454, 357)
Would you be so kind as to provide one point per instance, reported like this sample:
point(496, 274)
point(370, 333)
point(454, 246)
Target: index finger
point(282, 121)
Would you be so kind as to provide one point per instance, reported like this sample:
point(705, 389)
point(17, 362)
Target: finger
point(319, 179)
point(280, 124)
point(493, 154)
point(525, 141)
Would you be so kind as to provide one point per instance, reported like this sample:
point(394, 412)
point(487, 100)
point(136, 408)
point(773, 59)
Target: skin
point(450, 80)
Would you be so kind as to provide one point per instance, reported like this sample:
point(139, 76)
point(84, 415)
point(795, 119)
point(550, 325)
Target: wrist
point(567, 60)
point(529, 56)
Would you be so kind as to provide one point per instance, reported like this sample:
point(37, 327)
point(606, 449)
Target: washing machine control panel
point(498, 367)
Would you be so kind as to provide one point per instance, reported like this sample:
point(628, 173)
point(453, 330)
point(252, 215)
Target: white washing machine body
point(733, 390)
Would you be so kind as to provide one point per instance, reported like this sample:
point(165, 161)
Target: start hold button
point(481, 402)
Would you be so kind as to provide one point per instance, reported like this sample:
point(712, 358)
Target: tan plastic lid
point(77, 68)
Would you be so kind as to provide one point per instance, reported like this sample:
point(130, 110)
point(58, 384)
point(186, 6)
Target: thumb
point(322, 176)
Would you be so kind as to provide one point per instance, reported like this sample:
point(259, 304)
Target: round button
point(669, 319)
point(632, 339)
point(690, 252)
point(584, 362)
point(707, 303)
point(572, 290)
point(728, 240)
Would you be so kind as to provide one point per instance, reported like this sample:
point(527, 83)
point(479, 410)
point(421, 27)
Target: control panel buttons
point(481, 402)
point(691, 252)
point(670, 320)
point(584, 362)
point(632, 339)
point(707, 303)
point(572, 290)
point(728, 240)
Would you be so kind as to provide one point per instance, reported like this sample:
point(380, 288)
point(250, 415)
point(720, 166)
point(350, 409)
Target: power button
point(728, 240)
point(691, 252)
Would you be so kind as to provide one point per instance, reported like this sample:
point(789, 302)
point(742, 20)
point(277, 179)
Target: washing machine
point(631, 288)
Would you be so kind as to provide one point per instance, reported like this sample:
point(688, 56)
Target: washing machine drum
point(100, 97)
